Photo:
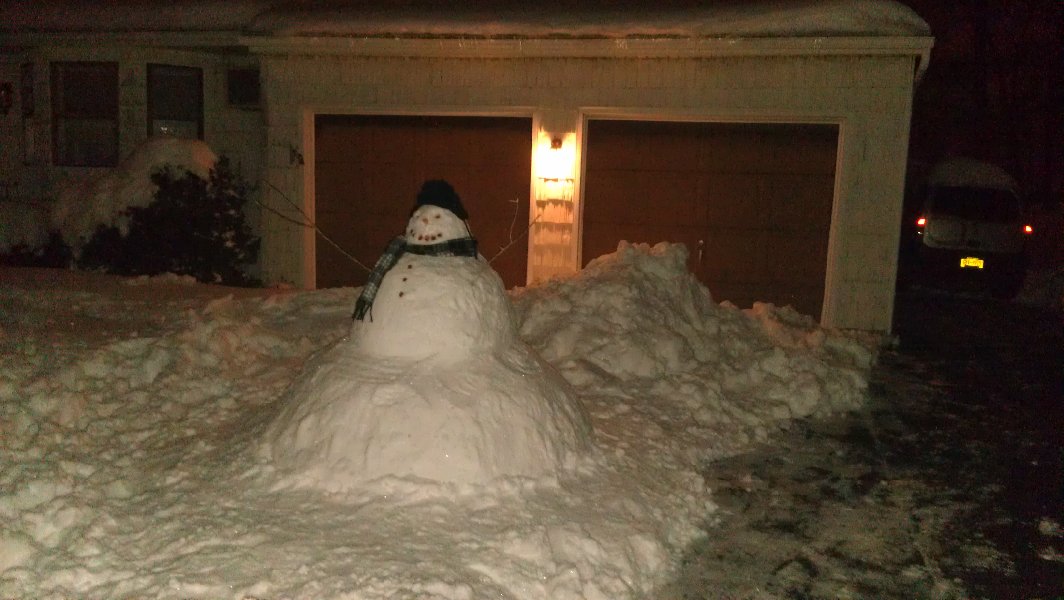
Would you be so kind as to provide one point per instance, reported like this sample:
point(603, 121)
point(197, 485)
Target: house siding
point(869, 96)
point(234, 132)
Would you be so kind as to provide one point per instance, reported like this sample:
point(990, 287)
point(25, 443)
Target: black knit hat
point(438, 192)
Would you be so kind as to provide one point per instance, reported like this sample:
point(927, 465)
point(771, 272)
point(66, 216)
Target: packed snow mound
point(81, 207)
point(132, 412)
point(637, 324)
point(433, 387)
point(356, 420)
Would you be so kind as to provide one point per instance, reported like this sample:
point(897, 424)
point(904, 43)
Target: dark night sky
point(994, 90)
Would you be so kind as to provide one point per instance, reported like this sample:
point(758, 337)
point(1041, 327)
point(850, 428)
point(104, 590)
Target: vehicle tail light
point(1028, 229)
point(921, 221)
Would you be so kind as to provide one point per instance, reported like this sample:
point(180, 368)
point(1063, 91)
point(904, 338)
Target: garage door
point(369, 169)
point(752, 202)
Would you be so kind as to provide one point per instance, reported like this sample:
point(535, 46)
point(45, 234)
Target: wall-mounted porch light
point(554, 164)
point(553, 239)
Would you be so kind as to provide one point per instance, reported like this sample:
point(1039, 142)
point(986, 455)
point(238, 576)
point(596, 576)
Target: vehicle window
point(976, 204)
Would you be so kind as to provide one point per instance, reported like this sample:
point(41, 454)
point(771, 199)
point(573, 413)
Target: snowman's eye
point(437, 216)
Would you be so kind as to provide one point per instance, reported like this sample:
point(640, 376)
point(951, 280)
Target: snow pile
point(436, 387)
point(101, 201)
point(131, 411)
point(637, 326)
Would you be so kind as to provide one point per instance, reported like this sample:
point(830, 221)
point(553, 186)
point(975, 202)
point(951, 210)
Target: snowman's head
point(431, 224)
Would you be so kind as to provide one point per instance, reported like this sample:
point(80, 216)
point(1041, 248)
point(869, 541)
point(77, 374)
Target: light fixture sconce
point(7, 97)
point(555, 162)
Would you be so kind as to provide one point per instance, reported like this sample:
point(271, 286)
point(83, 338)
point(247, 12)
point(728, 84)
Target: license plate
point(971, 262)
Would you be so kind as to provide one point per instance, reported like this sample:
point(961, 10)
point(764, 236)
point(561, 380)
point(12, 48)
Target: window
point(242, 86)
point(175, 101)
point(85, 113)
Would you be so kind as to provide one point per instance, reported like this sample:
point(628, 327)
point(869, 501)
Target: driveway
point(947, 486)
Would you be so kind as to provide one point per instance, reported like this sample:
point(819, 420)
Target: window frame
point(62, 113)
point(150, 116)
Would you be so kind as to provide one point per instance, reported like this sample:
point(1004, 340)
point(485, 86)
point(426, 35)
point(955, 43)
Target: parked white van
point(971, 226)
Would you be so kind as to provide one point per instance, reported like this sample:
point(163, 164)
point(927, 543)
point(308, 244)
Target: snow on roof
point(56, 16)
point(553, 18)
point(968, 172)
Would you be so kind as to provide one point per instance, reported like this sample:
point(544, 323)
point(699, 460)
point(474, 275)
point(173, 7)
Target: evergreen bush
point(193, 227)
point(54, 253)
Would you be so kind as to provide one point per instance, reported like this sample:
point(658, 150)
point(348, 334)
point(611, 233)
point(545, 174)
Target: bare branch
point(307, 222)
point(517, 210)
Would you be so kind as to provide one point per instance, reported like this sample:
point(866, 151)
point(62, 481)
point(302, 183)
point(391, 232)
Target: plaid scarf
point(396, 248)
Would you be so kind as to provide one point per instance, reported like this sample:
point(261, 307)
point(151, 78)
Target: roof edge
point(591, 47)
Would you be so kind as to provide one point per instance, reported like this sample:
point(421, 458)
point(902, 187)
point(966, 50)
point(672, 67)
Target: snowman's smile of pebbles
point(431, 225)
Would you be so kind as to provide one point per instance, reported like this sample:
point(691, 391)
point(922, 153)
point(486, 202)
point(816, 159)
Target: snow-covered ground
point(130, 410)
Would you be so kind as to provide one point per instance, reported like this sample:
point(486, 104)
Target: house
point(770, 138)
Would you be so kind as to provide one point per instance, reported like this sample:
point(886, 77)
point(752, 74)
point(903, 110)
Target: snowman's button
point(400, 294)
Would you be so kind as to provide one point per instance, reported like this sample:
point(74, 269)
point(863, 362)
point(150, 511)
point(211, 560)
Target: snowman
point(432, 387)
point(430, 293)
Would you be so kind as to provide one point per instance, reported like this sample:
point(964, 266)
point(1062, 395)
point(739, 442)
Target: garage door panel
point(386, 195)
point(510, 147)
point(759, 195)
point(734, 255)
point(628, 196)
point(796, 258)
point(730, 152)
point(798, 201)
point(442, 146)
point(392, 144)
point(654, 152)
point(734, 200)
point(369, 170)
point(809, 151)
point(332, 146)
point(338, 189)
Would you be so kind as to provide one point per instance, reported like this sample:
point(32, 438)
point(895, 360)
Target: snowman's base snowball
point(355, 419)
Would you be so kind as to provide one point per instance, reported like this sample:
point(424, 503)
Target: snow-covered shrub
point(81, 205)
point(53, 253)
point(194, 226)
